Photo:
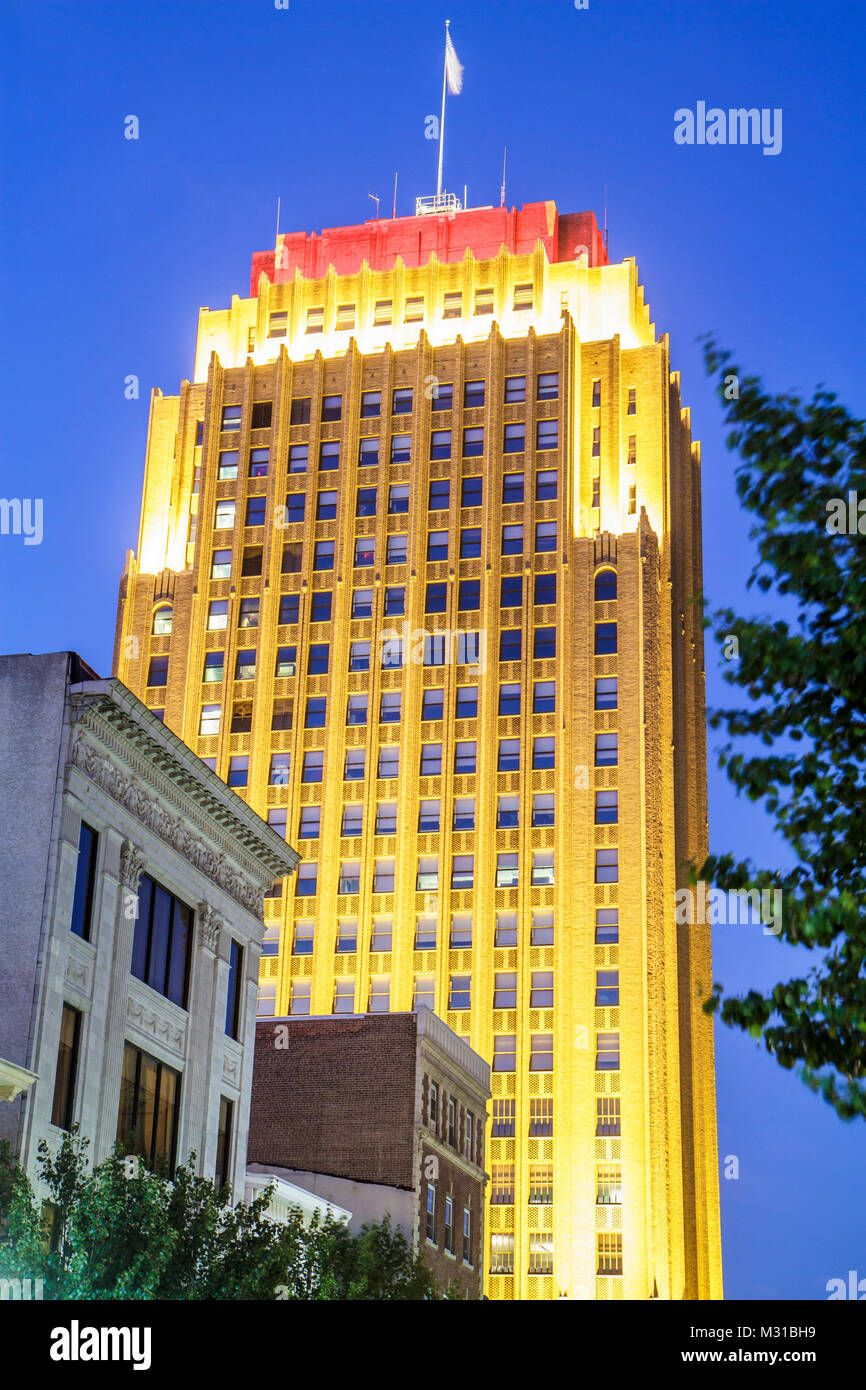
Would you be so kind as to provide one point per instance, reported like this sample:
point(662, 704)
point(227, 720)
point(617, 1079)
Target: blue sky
point(110, 246)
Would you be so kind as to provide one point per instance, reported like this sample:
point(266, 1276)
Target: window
point(467, 1213)
point(256, 507)
point(605, 692)
point(542, 809)
point(506, 870)
point(390, 707)
point(545, 536)
point(320, 606)
point(356, 709)
point(471, 492)
point(473, 394)
point(503, 1117)
point(149, 1107)
point(402, 401)
point(505, 989)
point(470, 543)
point(510, 644)
point(231, 417)
point(440, 494)
point(306, 882)
point(546, 435)
point(312, 767)
point(449, 1224)
point(464, 813)
point(353, 819)
point(221, 564)
point(452, 306)
point(541, 1184)
point(436, 599)
point(546, 484)
point(543, 752)
point(397, 551)
point(541, 994)
point(332, 407)
point(395, 600)
point(85, 879)
point(548, 386)
point(317, 659)
point(428, 873)
point(278, 821)
point(469, 598)
point(161, 941)
point(210, 721)
point(512, 540)
point(509, 699)
point(425, 934)
point(606, 865)
point(308, 829)
point(507, 812)
point(245, 664)
point(502, 1184)
point(161, 620)
point(371, 405)
point(383, 312)
point(278, 327)
point(461, 926)
point(355, 765)
point(366, 502)
point(323, 555)
point(606, 989)
point(347, 936)
point(515, 389)
point(502, 1252)
point(234, 989)
point(359, 656)
point(368, 453)
point(344, 996)
point(298, 458)
point(460, 992)
point(345, 318)
point(609, 1187)
point(609, 1253)
point(462, 877)
point(514, 438)
point(239, 770)
point(607, 1116)
point(541, 1252)
point(285, 666)
point(224, 517)
point(542, 929)
point(632, 501)
point(362, 603)
point(380, 994)
point(414, 308)
point(473, 442)
point(430, 1227)
point(605, 586)
point(261, 416)
point(522, 297)
point(596, 442)
point(428, 817)
point(511, 592)
point(398, 499)
point(437, 545)
point(467, 701)
point(542, 868)
point(300, 411)
point(508, 759)
point(632, 401)
point(386, 820)
point(544, 648)
point(541, 1118)
point(389, 761)
point(295, 507)
point(242, 718)
point(227, 467)
point(251, 561)
point(443, 395)
point(424, 996)
point(217, 615)
point(326, 505)
point(302, 943)
point(504, 1059)
point(606, 926)
point(383, 882)
point(299, 999)
point(512, 488)
point(279, 770)
point(329, 455)
point(606, 807)
point(63, 1103)
point(607, 1052)
point(605, 750)
point(544, 697)
point(401, 448)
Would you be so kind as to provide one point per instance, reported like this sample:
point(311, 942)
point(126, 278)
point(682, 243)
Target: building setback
point(418, 549)
point(386, 1114)
point(132, 881)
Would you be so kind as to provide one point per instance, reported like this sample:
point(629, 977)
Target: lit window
point(541, 1252)
point(607, 1116)
point(210, 721)
point(502, 1184)
point(541, 1184)
point(609, 1187)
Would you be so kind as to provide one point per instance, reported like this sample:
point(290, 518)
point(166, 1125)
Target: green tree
point(805, 722)
point(122, 1235)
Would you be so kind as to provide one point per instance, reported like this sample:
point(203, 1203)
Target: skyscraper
point(418, 549)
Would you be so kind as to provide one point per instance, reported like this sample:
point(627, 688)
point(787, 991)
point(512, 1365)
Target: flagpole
point(442, 118)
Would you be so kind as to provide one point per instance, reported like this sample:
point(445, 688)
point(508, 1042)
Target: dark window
point(261, 417)
point(320, 607)
point(545, 485)
point(605, 639)
point(440, 494)
point(256, 511)
point(235, 988)
point(514, 438)
point(299, 456)
point(85, 878)
point(371, 405)
point(329, 455)
point(548, 386)
point(433, 704)
point(467, 702)
point(470, 595)
point(545, 588)
point(470, 543)
point(471, 492)
point(316, 712)
point(67, 1067)
point(332, 407)
point(512, 487)
point(222, 1172)
point(366, 502)
point(395, 600)
point(157, 673)
point(242, 719)
point(300, 413)
point(161, 941)
point(317, 661)
point(605, 585)
point(443, 395)
point(326, 504)
point(437, 598)
point(473, 394)
point(511, 595)
point(295, 506)
point(473, 442)
point(545, 535)
point(251, 564)
point(440, 444)
point(437, 545)
point(323, 555)
point(510, 644)
point(509, 699)
point(149, 1107)
point(545, 643)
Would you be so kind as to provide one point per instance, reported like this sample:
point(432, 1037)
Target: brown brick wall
point(336, 1096)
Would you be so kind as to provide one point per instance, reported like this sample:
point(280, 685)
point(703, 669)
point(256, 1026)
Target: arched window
point(162, 621)
point(605, 585)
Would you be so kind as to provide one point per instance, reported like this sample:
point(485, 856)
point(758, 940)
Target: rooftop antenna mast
point(394, 209)
point(502, 185)
point(276, 239)
point(376, 201)
point(605, 218)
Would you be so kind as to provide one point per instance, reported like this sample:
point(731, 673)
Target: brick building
point(382, 1114)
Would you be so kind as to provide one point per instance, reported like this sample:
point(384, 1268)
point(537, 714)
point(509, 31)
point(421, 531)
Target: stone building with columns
point(131, 886)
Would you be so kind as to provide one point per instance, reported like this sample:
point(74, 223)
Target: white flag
point(453, 67)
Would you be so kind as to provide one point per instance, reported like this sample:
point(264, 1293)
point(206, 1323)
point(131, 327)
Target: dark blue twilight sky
point(110, 247)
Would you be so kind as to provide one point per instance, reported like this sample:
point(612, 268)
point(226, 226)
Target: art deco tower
point(418, 547)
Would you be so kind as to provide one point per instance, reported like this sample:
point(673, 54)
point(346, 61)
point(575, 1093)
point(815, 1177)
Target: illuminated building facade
point(418, 544)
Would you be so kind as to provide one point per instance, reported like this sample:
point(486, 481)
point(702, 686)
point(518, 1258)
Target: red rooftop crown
point(415, 239)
